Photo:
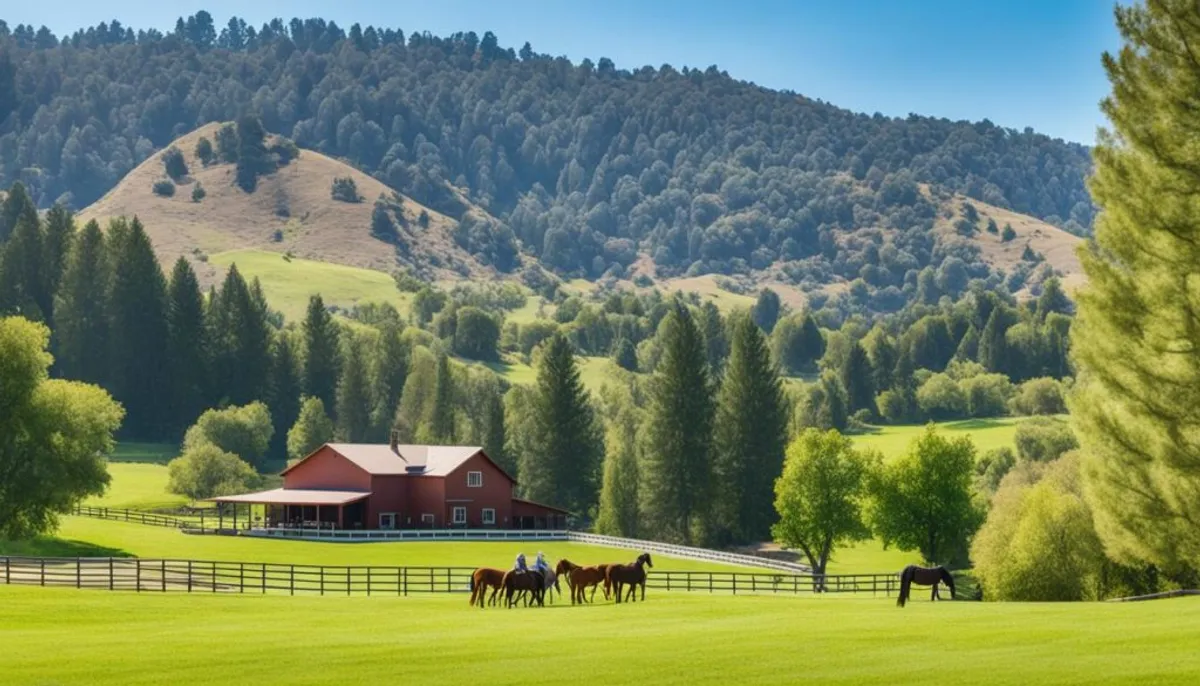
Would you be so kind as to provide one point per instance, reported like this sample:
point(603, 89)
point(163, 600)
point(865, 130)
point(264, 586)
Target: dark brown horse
point(634, 575)
point(924, 576)
point(579, 578)
point(531, 581)
point(483, 579)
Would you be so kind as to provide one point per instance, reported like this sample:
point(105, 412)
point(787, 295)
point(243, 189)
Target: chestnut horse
point(924, 576)
point(483, 579)
point(634, 575)
point(579, 578)
point(531, 581)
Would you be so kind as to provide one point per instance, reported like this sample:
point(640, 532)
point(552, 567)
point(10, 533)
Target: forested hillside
point(585, 166)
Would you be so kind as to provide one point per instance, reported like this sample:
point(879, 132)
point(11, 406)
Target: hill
point(290, 212)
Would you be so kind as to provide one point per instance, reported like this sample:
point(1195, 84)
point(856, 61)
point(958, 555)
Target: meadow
point(986, 434)
point(672, 638)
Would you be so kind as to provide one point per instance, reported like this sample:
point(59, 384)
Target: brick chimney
point(394, 441)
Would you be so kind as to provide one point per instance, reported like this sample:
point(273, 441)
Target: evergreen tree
point(993, 348)
point(418, 391)
point(857, 378)
point(389, 370)
point(23, 287)
point(676, 483)
point(1052, 299)
point(59, 232)
point(625, 355)
point(82, 320)
point(241, 340)
point(1135, 340)
point(320, 352)
point(968, 347)
point(284, 394)
point(353, 396)
point(563, 462)
point(716, 343)
point(882, 353)
point(437, 425)
point(313, 428)
point(618, 512)
point(252, 160)
point(138, 333)
point(186, 346)
point(766, 310)
point(749, 436)
point(17, 205)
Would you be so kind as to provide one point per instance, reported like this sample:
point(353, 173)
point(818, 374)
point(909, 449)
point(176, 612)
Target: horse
point(634, 575)
point(532, 581)
point(483, 579)
point(579, 578)
point(924, 576)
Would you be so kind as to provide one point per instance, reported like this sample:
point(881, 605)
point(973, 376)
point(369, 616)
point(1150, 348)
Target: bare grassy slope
point(294, 201)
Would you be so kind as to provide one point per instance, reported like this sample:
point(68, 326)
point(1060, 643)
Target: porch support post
point(340, 513)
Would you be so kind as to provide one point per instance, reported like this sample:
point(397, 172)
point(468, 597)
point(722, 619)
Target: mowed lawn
point(289, 283)
point(66, 636)
point(139, 478)
point(986, 434)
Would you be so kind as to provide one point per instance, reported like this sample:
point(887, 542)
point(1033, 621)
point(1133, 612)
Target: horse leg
point(643, 590)
point(934, 595)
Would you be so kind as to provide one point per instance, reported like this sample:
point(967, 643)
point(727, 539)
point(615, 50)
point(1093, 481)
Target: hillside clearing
point(986, 434)
point(65, 636)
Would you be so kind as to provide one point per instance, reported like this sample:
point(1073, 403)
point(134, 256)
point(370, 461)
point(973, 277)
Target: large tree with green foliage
point(821, 496)
point(563, 463)
point(437, 422)
point(1136, 339)
point(186, 345)
point(321, 360)
point(81, 323)
point(858, 378)
point(54, 434)
point(749, 436)
point(618, 512)
point(924, 501)
point(205, 471)
point(243, 430)
point(313, 428)
point(283, 393)
point(353, 395)
point(677, 478)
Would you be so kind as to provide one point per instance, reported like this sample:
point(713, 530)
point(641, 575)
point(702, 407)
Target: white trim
point(486, 512)
point(456, 519)
point(428, 517)
point(478, 483)
point(389, 515)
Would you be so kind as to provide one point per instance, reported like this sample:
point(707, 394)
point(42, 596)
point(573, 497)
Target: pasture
point(64, 636)
point(986, 434)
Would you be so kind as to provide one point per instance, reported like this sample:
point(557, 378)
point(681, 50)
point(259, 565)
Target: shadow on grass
point(144, 453)
point(49, 546)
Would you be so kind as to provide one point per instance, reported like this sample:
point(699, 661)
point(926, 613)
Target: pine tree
point(82, 318)
point(23, 287)
point(749, 436)
point(968, 347)
point(766, 310)
point(59, 232)
point(1135, 340)
point(858, 378)
point(252, 159)
point(284, 394)
point(353, 396)
point(313, 428)
point(676, 483)
point(716, 343)
point(138, 333)
point(1052, 299)
point(320, 352)
point(241, 340)
point(17, 205)
point(562, 466)
point(625, 355)
point(437, 425)
point(882, 352)
point(618, 513)
point(389, 370)
point(186, 346)
point(993, 348)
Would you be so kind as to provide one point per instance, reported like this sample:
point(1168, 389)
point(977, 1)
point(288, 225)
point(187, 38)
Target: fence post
point(368, 581)
point(735, 583)
point(163, 566)
point(189, 576)
point(137, 565)
point(710, 588)
point(241, 577)
point(292, 581)
point(322, 568)
point(212, 575)
point(263, 578)
point(43, 576)
point(7, 571)
point(78, 573)
point(406, 581)
point(347, 580)
point(110, 572)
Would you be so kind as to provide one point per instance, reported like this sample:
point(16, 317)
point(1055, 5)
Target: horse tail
point(905, 581)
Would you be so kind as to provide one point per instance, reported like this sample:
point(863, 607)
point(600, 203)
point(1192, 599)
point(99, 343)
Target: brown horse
point(579, 578)
point(483, 579)
point(531, 581)
point(924, 576)
point(634, 575)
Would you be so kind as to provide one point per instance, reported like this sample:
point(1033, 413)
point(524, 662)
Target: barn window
point(474, 479)
point(427, 519)
point(489, 515)
point(460, 515)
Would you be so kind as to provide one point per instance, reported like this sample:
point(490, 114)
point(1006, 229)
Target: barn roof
point(295, 496)
point(412, 460)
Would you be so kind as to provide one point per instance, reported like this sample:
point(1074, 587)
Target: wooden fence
point(209, 576)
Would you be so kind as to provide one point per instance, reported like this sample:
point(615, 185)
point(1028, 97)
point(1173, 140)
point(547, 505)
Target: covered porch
point(291, 508)
point(527, 514)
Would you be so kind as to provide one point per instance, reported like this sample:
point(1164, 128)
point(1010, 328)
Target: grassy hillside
point(288, 282)
point(985, 433)
point(291, 210)
point(139, 478)
point(64, 636)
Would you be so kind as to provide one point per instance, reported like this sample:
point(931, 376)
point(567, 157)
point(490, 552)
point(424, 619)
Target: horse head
point(644, 558)
point(564, 566)
point(948, 579)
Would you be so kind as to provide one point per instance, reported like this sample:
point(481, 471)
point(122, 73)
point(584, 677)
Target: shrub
point(164, 188)
point(423, 219)
point(941, 398)
point(1008, 234)
point(345, 190)
point(643, 281)
point(407, 282)
point(244, 431)
point(476, 334)
point(991, 226)
point(205, 471)
point(174, 163)
point(205, 152)
point(1040, 396)
point(198, 192)
point(277, 235)
point(625, 355)
point(993, 467)
point(284, 151)
point(987, 394)
point(1044, 439)
point(227, 143)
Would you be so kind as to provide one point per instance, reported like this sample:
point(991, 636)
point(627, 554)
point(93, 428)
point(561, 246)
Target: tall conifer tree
point(676, 484)
point(81, 328)
point(353, 396)
point(618, 513)
point(858, 378)
point(437, 426)
point(389, 370)
point(23, 288)
point(284, 395)
point(186, 346)
point(320, 352)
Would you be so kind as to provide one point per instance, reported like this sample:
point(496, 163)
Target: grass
point(987, 434)
point(593, 371)
point(159, 542)
point(65, 636)
point(869, 557)
point(289, 283)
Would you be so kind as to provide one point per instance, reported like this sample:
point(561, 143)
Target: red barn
point(368, 486)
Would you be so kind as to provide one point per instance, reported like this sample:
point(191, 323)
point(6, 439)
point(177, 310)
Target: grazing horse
point(924, 576)
point(579, 578)
point(634, 575)
point(532, 581)
point(483, 579)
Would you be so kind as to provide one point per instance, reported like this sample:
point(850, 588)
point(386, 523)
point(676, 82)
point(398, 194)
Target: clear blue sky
point(1016, 62)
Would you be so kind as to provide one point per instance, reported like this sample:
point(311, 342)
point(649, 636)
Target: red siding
point(495, 493)
point(389, 493)
point(328, 470)
point(426, 495)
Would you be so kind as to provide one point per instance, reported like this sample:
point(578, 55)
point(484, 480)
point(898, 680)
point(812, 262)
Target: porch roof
point(295, 496)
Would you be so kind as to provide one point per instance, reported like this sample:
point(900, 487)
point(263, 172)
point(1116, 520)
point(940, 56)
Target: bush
point(284, 151)
point(941, 398)
point(205, 152)
point(164, 188)
point(1008, 234)
point(1041, 396)
point(174, 163)
point(476, 335)
point(991, 226)
point(423, 219)
point(205, 471)
point(1044, 439)
point(198, 192)
point(987, 394)
point(991, 469)
point(345, 189)
point(407, 282)
point(227, 143)
point(244, 431)
point(625, 355)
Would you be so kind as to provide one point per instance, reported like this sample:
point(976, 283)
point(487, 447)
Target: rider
point(541, 564)
point(520, 566)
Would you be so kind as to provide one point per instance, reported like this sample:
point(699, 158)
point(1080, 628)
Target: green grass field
point(289, 283)
point(65, 636)
point(985, 433)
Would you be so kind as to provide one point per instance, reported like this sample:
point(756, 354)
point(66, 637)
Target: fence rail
point(133, 516)
point(352, 536)
point(210, 576)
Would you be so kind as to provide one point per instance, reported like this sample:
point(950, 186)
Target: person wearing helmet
point(520, 567)
point(541, 564)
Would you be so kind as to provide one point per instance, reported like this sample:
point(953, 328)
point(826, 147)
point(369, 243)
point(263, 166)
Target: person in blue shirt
point(520, 566)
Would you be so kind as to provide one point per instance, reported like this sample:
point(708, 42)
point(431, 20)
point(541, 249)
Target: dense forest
point(582, 165)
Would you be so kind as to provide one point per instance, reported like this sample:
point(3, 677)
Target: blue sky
point(1016, 62)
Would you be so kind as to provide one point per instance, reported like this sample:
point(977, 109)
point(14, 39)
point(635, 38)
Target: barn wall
point(496, 493)
point(426, 495)
point(328, 470)
point(389, 493)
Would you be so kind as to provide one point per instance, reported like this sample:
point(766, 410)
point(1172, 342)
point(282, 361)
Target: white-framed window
point(460, 515)
point(427, 519)
point(387, 520)
point(489, 515)
point(474, 479)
